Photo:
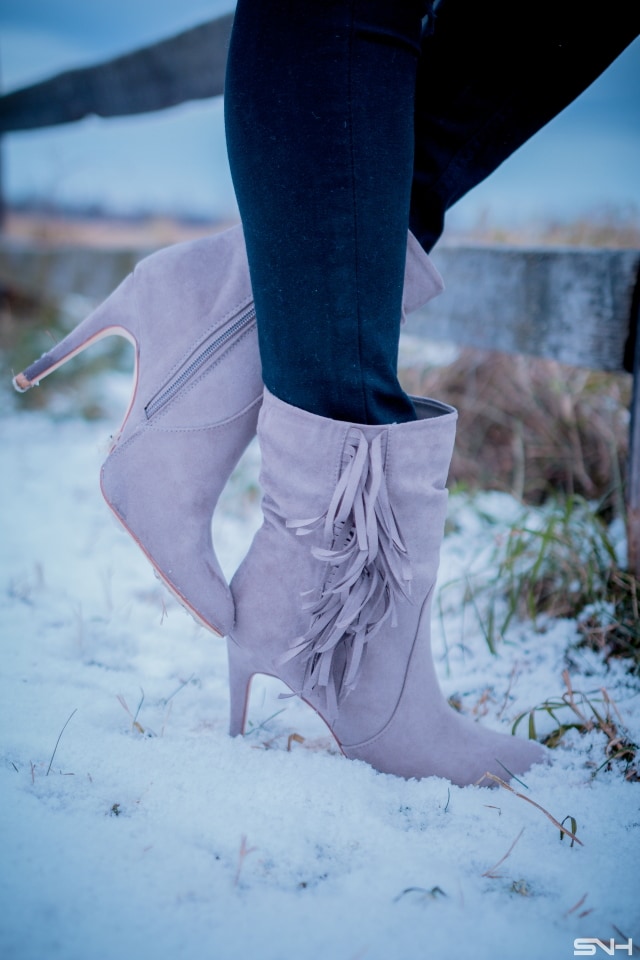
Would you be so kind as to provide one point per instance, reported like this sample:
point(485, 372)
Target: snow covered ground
point(164, 838)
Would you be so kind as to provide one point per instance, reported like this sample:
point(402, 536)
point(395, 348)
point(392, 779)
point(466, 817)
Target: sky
point(586, 159)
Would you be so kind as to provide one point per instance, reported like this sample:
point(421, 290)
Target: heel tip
point(21, 384)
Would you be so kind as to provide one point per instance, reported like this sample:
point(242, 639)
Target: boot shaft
point(348, 551)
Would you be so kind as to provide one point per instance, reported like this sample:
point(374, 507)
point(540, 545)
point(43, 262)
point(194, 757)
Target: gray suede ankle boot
point(334, 596)
point(188, 311)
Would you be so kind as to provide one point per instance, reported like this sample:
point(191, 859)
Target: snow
point(165, 838)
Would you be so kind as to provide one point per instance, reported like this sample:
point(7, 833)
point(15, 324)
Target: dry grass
point(560, 562)
point(609, 226)
point(560, 826)
point(554, 435)
point(530, 427)
point(574, 710)
point(56, 229)
point(615, 632)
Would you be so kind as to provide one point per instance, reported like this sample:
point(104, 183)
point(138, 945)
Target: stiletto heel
point(188, 311)
point(240, 674)
point(114, 316)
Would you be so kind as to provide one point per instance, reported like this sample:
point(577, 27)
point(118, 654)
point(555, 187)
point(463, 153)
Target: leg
point(334, 595)
point(489, 77)
point(320, 136)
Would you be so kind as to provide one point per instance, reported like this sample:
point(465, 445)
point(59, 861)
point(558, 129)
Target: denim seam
point(354, 198)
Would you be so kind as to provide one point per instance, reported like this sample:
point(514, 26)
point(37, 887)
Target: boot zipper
point(176, 385)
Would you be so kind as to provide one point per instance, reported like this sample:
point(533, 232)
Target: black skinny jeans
point(330, 169)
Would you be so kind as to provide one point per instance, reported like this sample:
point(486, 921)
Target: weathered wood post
point(576, 306)
point(633, 482)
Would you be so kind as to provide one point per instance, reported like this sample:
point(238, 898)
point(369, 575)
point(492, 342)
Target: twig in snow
point(293, 738)
point(490, 871)
point(243, 854)
point(135, 719)
point(425, 894)
point(625, 937)
point(58, 740)
point(574, 826)
point(492, 776)
point(512, 776)
point(512, 677)
point(178, 689)
point(125, 706)
point(164, 614)
point(576, 906)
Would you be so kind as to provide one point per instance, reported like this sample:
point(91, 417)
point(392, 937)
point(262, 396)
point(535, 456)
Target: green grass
point(559, 561)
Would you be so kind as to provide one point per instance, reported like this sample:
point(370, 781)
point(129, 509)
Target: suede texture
point(184, 297)
point(194, 411)
point(163, 485)
point(396, 717)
